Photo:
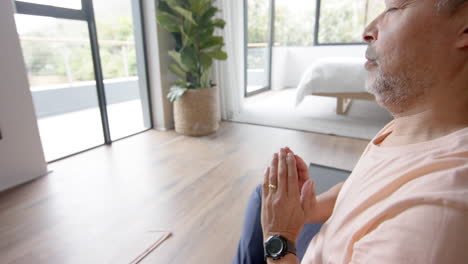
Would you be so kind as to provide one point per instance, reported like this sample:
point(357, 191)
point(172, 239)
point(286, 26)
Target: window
point(258, 45)
point(87, 91)
point(294, 22)
point(58, 59)
point(285, 23)
point(126, 90)
point(344, 21)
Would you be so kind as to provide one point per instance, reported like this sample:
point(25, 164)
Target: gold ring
point(272, 186)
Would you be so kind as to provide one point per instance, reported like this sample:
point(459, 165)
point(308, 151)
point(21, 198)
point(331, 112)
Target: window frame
point(317, 28)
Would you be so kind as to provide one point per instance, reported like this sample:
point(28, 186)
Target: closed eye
point(391, 9)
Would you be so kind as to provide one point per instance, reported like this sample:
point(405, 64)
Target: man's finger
point(273, 180)
point(293, 187)
point(282, 173)
point(308, 197)
point(266, 183)
point(302, 168)
point(301, 165)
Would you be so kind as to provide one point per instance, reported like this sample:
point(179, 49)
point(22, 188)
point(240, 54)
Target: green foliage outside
point(62, 53)
point(340, 21)
point(345, 21)
point(192, 23)
point(294, 26)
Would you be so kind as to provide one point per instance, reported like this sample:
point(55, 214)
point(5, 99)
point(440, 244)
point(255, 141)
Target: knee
point(258, 191)
point(255, 199)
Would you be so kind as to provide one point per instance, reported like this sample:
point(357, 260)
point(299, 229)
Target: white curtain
point(229, 74)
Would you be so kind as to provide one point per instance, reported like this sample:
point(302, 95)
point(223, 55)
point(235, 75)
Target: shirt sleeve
point(421, 234)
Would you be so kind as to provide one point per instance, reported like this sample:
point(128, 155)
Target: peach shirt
point(402, 204)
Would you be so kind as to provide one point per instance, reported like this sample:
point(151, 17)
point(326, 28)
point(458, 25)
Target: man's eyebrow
point(399, 3)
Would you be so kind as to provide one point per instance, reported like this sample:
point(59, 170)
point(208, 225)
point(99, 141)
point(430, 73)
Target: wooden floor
point(95, 207)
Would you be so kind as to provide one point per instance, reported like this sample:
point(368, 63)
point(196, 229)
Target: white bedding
point(333, 75)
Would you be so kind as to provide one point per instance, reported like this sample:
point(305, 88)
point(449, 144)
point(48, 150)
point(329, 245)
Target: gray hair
point(451, 5)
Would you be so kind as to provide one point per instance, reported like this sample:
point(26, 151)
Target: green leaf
point(164, 6)
point(219, 23)
point(182, 83)
point(175, 92)
point(204, 33)
point(177, 70)
point(177, 58)
point(171, 28)
point(185, 13)
point(189, 58)
point(172, 2)
point(208, 15)
point(208, 31)
point(205, 60)
point(199, 6)
point(211, 42)
point(205, 78)
point(168, 21)
point(218, 54)
point(166, 18)
point(188, 36)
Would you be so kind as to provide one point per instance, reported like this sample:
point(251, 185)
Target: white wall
point(21, 155)
point(289, 63)
point(158, 43)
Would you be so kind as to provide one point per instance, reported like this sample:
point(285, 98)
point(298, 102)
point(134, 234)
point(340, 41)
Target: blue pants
point(250, 249)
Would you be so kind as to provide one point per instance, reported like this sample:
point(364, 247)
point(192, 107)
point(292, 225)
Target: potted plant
point(192, 23)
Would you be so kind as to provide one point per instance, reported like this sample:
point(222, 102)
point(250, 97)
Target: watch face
point(275, 246)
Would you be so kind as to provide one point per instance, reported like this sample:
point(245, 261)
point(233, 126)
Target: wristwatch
point(276, 247)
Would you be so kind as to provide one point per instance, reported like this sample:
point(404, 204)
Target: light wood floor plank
point(195, 187)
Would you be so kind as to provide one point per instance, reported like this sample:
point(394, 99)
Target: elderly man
point(407, 198)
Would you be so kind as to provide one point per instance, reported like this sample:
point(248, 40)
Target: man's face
point(404, 53)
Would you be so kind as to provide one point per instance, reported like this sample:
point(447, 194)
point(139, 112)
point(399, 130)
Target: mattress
point(333, 75)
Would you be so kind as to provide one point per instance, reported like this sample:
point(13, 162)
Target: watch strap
point(290, 247)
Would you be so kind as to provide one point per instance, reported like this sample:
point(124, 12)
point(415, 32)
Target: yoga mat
point(326, 177)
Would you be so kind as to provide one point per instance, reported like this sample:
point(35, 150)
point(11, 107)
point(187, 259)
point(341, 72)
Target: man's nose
point(370, 32)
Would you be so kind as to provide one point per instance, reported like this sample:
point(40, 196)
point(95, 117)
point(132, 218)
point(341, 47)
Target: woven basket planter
point(196, 113)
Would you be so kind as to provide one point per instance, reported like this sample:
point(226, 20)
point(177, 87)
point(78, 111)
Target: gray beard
point(396, 93)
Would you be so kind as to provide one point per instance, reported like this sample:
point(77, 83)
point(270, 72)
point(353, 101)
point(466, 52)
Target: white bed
point(340, 77)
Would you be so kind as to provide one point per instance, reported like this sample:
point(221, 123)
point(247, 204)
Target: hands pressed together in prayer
point(288, 199)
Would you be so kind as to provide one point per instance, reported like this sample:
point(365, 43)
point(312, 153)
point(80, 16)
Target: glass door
point(258, 17)
point(122, 60)
point(84, 88)
point(59, 63)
